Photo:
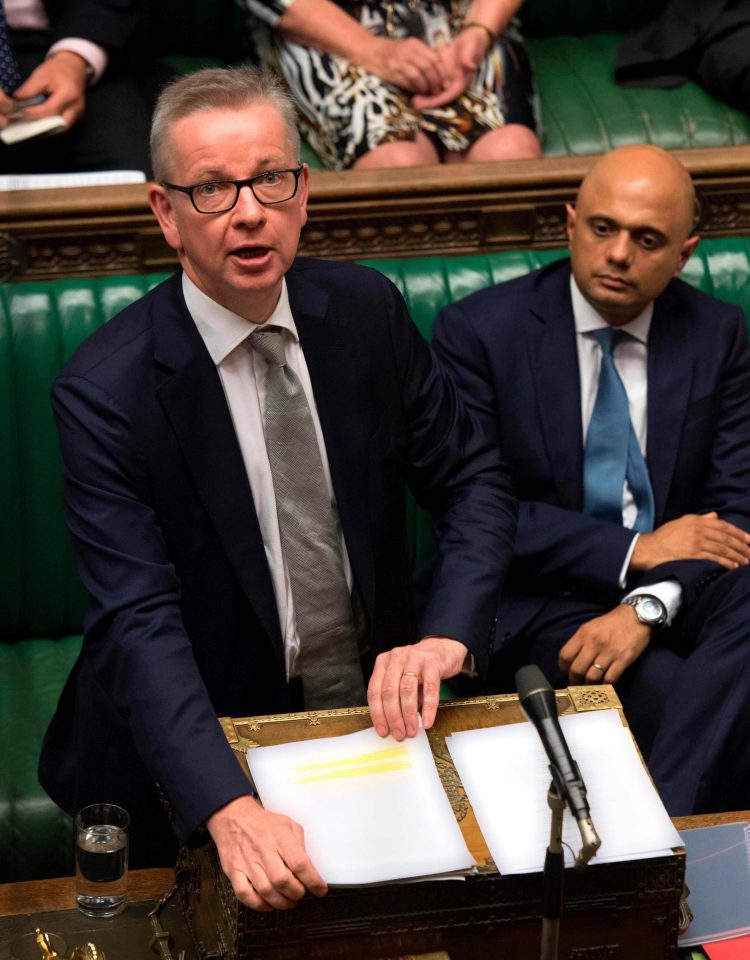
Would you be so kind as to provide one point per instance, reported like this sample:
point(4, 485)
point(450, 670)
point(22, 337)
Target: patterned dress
point(345, 111)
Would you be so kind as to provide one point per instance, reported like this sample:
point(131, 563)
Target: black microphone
point(540, 706)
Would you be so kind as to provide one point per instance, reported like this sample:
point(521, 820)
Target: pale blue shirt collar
point(222, 331)
point(587, 318)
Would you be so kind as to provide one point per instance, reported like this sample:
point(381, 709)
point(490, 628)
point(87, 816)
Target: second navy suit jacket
point(108, 23)
point(512, 351)
point(688, 38)
point(182, 623)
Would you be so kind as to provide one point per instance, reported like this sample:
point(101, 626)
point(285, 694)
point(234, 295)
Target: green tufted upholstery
point(584, 111)
point(720, 268)
point(573, 47)
point(35, 836)
point(41, 602)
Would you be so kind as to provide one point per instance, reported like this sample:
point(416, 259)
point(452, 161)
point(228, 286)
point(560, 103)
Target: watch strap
point(639, 598)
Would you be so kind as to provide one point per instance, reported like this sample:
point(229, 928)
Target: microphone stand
point(537, 700)
point(553, 877)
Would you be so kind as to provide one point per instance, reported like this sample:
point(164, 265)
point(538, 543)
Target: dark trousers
point(686, 698)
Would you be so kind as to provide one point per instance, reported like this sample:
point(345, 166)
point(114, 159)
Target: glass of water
point(101, 832)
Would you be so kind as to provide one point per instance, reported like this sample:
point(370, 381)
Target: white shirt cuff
point(469, 669)
point(668, 591)
point(94, 55)
point(623, 581)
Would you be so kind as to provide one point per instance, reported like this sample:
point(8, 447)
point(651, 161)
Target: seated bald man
point(621, 399)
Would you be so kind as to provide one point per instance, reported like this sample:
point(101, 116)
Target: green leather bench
point(41, 601)
point(573, 49)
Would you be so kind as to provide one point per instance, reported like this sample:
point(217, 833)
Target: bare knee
point(400, 153)
point(511, 142)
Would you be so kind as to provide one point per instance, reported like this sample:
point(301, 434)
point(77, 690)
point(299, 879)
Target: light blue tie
point(9, 75)
point(612, 454)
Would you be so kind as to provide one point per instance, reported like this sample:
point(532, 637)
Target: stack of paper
point(505, 773)
point(49, 181)
point(18, 130)
point(375, 810)
point(372, 809)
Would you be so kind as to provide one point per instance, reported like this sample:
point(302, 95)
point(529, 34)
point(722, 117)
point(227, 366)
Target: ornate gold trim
point(594, 697)
point(360, 214)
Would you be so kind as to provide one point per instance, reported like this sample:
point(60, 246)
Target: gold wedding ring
point(598, 666)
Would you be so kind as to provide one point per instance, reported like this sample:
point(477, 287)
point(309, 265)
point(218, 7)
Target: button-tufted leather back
point(42, 323)
point(40, 326)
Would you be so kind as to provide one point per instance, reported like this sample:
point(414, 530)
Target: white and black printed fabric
point(345, 111)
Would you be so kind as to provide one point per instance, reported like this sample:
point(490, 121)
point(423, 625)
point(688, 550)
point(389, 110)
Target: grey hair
point(217, 88)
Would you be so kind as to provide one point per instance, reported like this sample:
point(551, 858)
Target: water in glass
point(101, 869)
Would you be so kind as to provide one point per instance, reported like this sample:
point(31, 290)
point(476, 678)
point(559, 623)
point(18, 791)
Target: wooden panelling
point(407, 212)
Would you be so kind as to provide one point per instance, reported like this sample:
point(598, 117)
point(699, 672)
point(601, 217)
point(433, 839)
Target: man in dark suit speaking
point(236, 449)
point(621, 400)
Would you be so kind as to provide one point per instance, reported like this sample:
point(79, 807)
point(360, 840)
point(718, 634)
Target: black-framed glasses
point(219, 196)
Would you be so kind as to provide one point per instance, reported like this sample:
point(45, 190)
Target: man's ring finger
point(599, 667)
point(410, 673)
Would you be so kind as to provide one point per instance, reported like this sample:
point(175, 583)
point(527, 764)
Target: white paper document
point(18, 130)
point(48, 181)
point(505, 773)
point(372, 809)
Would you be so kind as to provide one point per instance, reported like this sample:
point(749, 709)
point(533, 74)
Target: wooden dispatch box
point(613, 911)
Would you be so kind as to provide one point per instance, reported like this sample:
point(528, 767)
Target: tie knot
point(269, 342)
point(608, 338)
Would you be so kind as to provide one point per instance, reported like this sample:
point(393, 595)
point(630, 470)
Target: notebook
point(718, 878)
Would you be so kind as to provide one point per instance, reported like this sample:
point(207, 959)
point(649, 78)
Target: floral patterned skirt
point(345, 111)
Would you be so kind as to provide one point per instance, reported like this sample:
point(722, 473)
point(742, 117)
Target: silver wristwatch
point(649, 609)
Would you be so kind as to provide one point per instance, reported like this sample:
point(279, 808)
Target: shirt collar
point(222, 331)
point(587, 318)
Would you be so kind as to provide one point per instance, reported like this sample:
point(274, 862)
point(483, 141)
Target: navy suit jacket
point(108, 23)
point(673, 45)
point(512, 351)
point(182, 623)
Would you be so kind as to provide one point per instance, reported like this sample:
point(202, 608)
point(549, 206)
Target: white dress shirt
point(243, 372)
point(630, 358)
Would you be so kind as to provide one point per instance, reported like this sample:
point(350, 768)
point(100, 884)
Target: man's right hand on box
point(263, 855)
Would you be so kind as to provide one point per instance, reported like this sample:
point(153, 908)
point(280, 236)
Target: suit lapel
point(670, 375)
point(554, 364)
point(193, 400)
point(327, 345)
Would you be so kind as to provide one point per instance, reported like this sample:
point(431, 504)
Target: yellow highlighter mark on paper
point(362, 765)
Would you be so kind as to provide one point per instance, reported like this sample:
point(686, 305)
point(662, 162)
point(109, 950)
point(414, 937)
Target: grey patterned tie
point(310, 536)
point(9, 75)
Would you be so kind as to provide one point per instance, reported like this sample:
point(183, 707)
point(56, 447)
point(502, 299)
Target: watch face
point(649, 609)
